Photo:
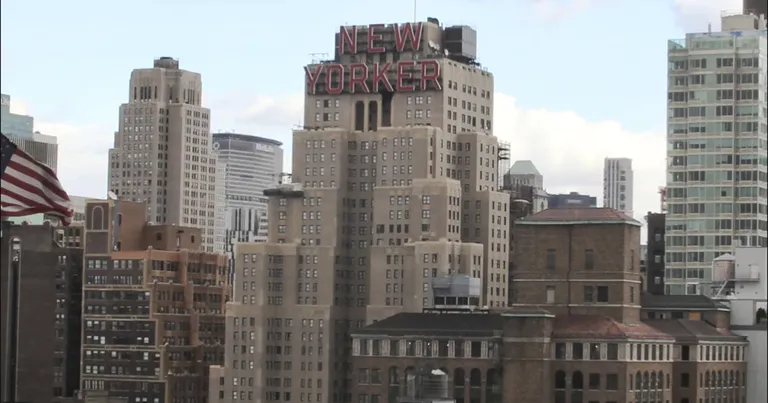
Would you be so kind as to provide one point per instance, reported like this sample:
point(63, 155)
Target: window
point(594, 381)
point(602, 293)
point(612, 382)
point(578, 351)
point(589, 293)
point(594, 351)
point(589, 259)
point(613, 351)
point(550, 294)
point(686, 353)
point(560, 351)
point(551, 259)
point(685, 380)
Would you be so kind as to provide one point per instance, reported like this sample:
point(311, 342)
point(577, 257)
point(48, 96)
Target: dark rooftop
point(491, 324)
point(603, 327)
point(579, 215)
point(467, 324)
point(681, 302)
point(480, 323)
point(693, 329)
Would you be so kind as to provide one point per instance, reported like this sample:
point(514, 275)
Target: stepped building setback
point(395, 186)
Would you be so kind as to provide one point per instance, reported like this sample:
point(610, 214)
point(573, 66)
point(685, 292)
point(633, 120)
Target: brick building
point(40, 288)
point(576, 331)
point(153, 308)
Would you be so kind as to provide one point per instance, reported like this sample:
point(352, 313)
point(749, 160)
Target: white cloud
point(557, 9)
point(270, 111)
point(83, 156)
point(19, 107)
point(696, 15)
point(83, 152)
point(569, 150)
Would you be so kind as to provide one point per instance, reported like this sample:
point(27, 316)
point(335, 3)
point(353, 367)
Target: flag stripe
point(30, 187)
point(29, 192)
point(24, 211)
point(29, 167)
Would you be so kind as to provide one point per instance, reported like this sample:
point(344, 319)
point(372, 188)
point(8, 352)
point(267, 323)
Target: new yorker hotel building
point(394, 188)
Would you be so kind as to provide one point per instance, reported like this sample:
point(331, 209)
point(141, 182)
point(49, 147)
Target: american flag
point(29, 187)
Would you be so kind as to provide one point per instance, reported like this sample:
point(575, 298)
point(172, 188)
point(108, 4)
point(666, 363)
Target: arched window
point(394, 376)
point(660, 381)
point(761, 316)
point(459, 382)
point(646, 381)
point(652, 385)
point(707, 380)
point(97, 218)
point(394, 381)
point(493, 386)
point(577, 380)
point(638, 381)
point(560, 380)
point(631, 383)
point(475, 378)
point(475, 385)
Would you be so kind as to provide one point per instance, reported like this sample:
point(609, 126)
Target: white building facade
point(717, 168)
point(250, 165)
point(746, 291)
point(618, 185)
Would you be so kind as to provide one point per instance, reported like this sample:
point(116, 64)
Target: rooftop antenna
point(414, 9)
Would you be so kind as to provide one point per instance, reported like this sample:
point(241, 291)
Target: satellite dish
point(111, 195)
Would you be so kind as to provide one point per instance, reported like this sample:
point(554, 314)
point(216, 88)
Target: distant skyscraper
point(572, 199)
point(20, 129)
point(524, 172)
point(716, 149)
point(249, 165)
point(162, 155)
point(618, 182)
point(12, 124)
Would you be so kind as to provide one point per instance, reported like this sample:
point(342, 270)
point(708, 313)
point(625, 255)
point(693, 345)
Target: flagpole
point(11, 361)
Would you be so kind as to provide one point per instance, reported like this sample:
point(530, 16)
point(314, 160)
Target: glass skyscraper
point(248, 166)
point(717, 157)
point(11, 124)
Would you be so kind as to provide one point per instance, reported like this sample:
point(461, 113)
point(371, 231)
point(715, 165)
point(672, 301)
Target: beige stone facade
point(376, 212)
point(162, 155)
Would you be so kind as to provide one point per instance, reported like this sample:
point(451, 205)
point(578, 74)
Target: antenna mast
point(414, 10)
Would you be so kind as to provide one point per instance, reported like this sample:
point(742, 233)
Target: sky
point(576, 80)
